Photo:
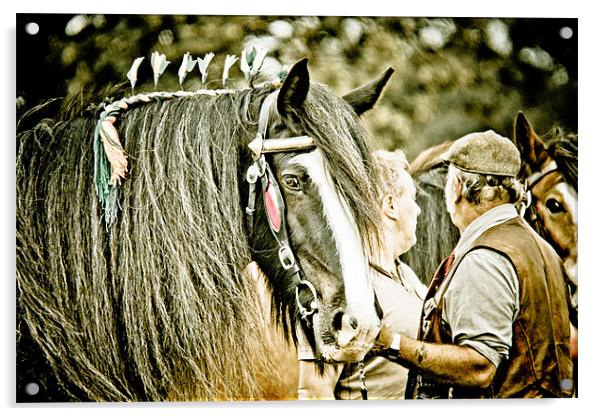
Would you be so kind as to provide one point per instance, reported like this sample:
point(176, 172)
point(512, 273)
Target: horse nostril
point(337, 319)
point(353, 322)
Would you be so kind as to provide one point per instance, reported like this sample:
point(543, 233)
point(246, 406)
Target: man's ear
point(457, 190)
point(390, 207)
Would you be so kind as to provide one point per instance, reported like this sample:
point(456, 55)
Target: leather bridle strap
point(276, 209)
point(533, 180)
point(538, 176)
point(260, 171)
point(262, 145)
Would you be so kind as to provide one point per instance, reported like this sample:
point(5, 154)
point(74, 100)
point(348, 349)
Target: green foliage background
point(452, 75)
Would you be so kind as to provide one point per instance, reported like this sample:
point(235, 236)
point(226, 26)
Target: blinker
point(272, 207)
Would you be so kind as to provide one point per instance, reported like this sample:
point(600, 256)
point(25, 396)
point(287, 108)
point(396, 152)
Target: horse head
point(309, 231)
point(551, 175)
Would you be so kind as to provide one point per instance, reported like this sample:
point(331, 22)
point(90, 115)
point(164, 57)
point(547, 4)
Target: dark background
point(453, 75)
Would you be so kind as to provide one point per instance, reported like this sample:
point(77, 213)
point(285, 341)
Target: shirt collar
point(494, 216)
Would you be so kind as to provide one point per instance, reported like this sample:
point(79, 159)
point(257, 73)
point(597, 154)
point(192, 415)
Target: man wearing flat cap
point(495, 318)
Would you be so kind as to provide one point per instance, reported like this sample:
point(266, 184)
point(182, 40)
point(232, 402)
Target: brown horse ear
point(294, 88)
point(532, 149)
point(363, 98)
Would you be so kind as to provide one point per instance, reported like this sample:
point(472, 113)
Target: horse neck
point(436, 235)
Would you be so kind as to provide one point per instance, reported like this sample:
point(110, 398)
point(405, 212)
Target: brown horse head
point(553, 190)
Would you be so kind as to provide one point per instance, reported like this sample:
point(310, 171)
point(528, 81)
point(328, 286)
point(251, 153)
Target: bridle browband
point(260, 172)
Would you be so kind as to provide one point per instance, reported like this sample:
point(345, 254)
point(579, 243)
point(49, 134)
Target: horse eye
point(292, 182)
point(554, 206)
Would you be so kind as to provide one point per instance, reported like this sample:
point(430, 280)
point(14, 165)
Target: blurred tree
point(453, 75)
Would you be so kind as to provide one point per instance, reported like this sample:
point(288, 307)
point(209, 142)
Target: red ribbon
point(272, 208)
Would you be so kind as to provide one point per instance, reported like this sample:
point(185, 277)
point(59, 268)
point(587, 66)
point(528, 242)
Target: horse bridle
point(274, 205)
point(538, 176)
point(534, 179)
point(260, 171)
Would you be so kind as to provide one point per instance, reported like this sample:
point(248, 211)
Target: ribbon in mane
point(110, 161)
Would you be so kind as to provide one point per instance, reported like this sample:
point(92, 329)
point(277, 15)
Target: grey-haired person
point(495, 318)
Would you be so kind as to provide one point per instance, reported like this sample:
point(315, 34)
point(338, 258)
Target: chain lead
point(363, 387)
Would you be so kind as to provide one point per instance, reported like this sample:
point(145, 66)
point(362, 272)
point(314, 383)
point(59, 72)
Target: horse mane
point(159, 306)
point(71, 106)
point(563, 148)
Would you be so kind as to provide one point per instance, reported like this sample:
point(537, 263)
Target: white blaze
point(570, 199)
point(358, 291)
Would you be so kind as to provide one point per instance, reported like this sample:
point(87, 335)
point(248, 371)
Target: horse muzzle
point(341, 337)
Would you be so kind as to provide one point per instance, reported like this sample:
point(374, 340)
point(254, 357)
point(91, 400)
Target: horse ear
point(363, 98)
point(529, 144)
point(294, 88)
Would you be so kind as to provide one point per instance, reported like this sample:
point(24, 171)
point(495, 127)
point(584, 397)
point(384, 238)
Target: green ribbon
point(108, 195)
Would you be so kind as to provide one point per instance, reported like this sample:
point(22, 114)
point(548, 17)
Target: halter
point(538, 176)
point(260, 170)
point(533, 180)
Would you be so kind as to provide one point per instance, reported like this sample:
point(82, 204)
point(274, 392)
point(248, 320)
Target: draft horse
point(152, 302)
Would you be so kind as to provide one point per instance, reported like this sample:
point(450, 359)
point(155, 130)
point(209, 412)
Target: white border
point(589, 208)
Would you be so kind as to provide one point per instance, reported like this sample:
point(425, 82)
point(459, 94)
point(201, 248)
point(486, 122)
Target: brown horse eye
point(554, 206)
point(292, 182)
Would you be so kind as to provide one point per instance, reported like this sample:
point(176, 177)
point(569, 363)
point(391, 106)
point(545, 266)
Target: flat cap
point(486, 153)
